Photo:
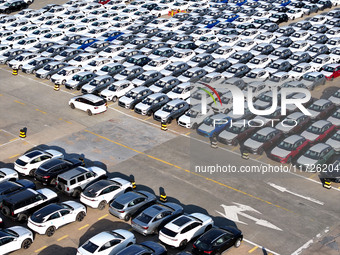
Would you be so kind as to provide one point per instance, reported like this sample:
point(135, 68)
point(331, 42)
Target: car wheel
point(76, 193)
point(53, 181)
point(238, 242)
point(260, 151)
point(32, 172)
point(6, 211)
point(114, 99)
point(34, 71)
point(159, 15)
point(149, 113)
point(169, 121)
point(80, 216)
point(89, 112)
point(207, 228)
point(63, 82)
point(102, 205)
point(183, 244)
point(48, 77)
point(50, 231)
point(20, 67)
point(127, 217)
point(61, 186)
point(29, 2)
point(194, 126)
point(235, 142)
point(72, 106)
point(26, 243)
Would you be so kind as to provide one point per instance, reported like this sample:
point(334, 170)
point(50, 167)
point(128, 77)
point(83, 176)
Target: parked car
point(79, 79)
point(97, 85)
point(134, 96)
point(311, 80)
point(89, 103)
point(320, 109)
point(318, 131)
point(18, 237)
point(293, 123)
point(236, 133)
point(213, 125)
point(7, 174)
point(10, 187)
point(172, 110)
point(35, 64)
point(51, 68)
point(48, 219)
point(116, 90)
point(147, 247)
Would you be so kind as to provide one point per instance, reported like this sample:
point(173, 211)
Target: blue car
point(83, 43)
point(10, 187)
point(239, 2)
point(112, 35)
point(285, 2)
point(230, 17)
point(210, 23)
point(213, 125)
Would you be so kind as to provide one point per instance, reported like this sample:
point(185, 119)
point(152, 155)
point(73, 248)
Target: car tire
point(194, 126)
point(149, 113)
point(127, 217)
point(26, 243)
point(34, 71)
point(53, 181)
point(50, 231)
point(169, 121)
point(29, 2)
point(235, 142)
point(183, 245)
point(76, 193)
point(63, 82)
point(89, 112)
point(102, 205)
point(72, 106)
point(32, 172)
point(128, 190)
point(80, 216)
point(238, 242)
point(61, 186)
point(260, 151)
point(20, 67)
point(22, 217)
point(6, 211)
point(114, 99)
point(48, 77)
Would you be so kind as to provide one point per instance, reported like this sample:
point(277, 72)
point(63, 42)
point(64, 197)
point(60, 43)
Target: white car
point(111, 51)
point(206, 38)
point(89, 103)
point(300, 45)
point(65, 74)
point(182, 55)
point(294, 13)
point(223, 52)
point(172, 26)
point(52, 24)
point(98, 194)
point(7, 174)
point(54, 36)
point(321, 60)
point(335, 98)
point(157, 64)
point(12, 39)
point(181, 91)
point(15, 238)
point(46, 220)
point(161, 9)
point(96, 64)
point(256, 74)
point(82, 59)
point(260, 61)
point(245, 44)
point(107, 242)
point(21, 60)
point(183, 229)
point(117, 90)
point(299, 70)
point(193, 117)
point(30, 161)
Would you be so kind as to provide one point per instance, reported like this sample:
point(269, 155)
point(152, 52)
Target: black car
point(279, 18)
point(13, 6)
point(10, 187)
point(147, 248)
point(186, 45)
point(217, 240)
point(139, 60)
point(54, 50)
point(48, 172)
point(36, 64)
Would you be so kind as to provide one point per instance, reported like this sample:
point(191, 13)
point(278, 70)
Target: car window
point(89, 175)
point(81, 178)
point(54, 216)
point(64, 212)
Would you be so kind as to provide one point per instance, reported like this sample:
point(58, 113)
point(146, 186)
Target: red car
point(331, 71)
point(318, 131)
point(289, 148)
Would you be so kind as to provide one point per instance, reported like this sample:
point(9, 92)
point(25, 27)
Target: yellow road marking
point(252, 250)
point(188, 133)
point(63, 237)
point(148, 118)
point(313, 175)
point(16, 155)
point(188, 171)
point(259, 157)
point(104, 216)
point(83, 227)
point(36, 251)
point(69, 122)
point(235, 148)
point(75, 92)
point(16, 138)
point(40, 111)
point(19, 102)
point(0, 95)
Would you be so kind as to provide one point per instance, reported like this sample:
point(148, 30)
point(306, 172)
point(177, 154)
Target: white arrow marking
point(283, 189)
point(232, 212)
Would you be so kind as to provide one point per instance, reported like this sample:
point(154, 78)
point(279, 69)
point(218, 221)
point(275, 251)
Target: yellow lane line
point(259, 157)
point(313, 175)
point(16, 138)
point(16, 155)
point(40, 111)
point(63, 237)
point(252, 250)
point(188, 171)
point(235, 148)
point(148, 118)
point(40, 249)
point(188, 133)
point(83, 227)
point(104, 216)
point(19, 102)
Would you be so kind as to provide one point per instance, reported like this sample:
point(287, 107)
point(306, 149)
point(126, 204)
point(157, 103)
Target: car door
point(9, 244)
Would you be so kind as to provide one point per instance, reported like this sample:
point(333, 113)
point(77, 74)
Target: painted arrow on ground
point(283, 189)
point(233, 211)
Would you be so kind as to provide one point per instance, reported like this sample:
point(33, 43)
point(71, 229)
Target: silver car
point(155, 217)
point(131, 203)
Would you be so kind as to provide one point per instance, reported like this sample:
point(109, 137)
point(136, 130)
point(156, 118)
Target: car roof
point(175, 102)
point(127, 197)
point(319, 147)
point(156, 95)
point(21, 195)
point(321, 123)
point(265, 130)
point(321, 101)
point(47, 210)
point(102, 238)
point(293, 138)
point(92, 98)
point(139, 89)
point(73, 173)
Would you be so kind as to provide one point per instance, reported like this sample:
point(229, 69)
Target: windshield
point(258, 137)
point(90, 247)
point(77, 77)
point(131, 95)
point(48, 68)
point(113, 88)
point(168, 108)
point(285, 146)
point(208, 121)
point(312, 154)
point(314, 130)
point(148, 101)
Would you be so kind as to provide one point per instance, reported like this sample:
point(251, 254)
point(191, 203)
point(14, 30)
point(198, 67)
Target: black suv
point(47, 173)
point(13, 6)
point(21, 205)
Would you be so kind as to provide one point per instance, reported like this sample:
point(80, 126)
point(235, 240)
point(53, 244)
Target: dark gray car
point(147, 78)
point(98, 84)
point(175, 69)
point(165, 84)
point(68, 54)
point(134, 96)
point(192, 75)
point(79, 79)
point(152, 219)
point(98, 46)
point(172, 110)
point(130, 203)
point(151, 104)
point(200, 60)
point(111, 69)
point(51, 68)
point(36, 64)
point(10, 54)
point(129, 73)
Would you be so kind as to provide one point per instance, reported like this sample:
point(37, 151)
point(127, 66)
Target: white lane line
point(283, 189)
point(263, 248)
point(309, 243)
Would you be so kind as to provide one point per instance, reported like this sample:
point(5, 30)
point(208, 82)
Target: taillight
point(12, 213)
point(207, 252)
point(46, 177)
point(194, 246)
point(121, 211)
point(145, 227)
point(68, 189)
point(96, 107)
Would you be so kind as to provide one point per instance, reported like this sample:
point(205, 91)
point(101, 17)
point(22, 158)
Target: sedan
point(293, 123)
point(30, 161)
point(130, 203)
point(152, 219)
point(262, 140)
point(97, 85)
point(145, 248)
point(318, 131)
point(98, 194)
point(236, 133)
point(289, 148)
point(217, 240)
point(315, 157)
point(313, 79)
point(107, 242)
point(53, 216)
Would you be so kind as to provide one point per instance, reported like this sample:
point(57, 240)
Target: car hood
point(97, 170)
point(142, 107)
point(75, 205)
point(107, 92)
point(21, 231)
point(327, 74)
point(303, 160)
point(314, 114)
point(166, 72)
point(162, 114)
point(227, 135)
point(120, 77)
point(205, 128)
point(57, 76)
point(334, 143)
point(252, 144)
point(334, 121)
point(280, 152)
point(126, 100)
point(89, 88)
point(155, 89)
point(284, 129)
point(72, 83)
point(309, 136)
point(185, 119)
point(138, 82)
point(49, 194)
point(118, 59)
